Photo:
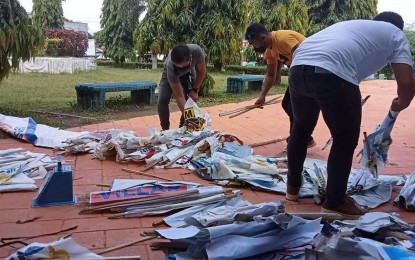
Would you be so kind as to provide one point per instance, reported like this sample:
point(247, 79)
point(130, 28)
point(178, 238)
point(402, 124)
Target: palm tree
point(216, 25)
point(324, 13)
point(285, 14)
point(118, 21)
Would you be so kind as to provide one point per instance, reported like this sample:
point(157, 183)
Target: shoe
point(311, 143)
point(348, 209)
point(292, 192)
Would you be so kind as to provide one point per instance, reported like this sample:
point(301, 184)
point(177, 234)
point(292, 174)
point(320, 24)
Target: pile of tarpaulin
point(20, 168)
point(236, 229)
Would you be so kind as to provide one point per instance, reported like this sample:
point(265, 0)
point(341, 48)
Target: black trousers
point(165, 94)
point(340, 103)
point(286, 105)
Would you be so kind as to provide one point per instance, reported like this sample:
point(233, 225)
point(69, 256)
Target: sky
point(89, 11)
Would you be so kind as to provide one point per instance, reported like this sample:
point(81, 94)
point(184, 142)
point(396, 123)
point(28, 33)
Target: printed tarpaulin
point(226, 214)
point(178, 219)
point(195, 120)
point(137, 189)
point(61, 249)
point(245, 239)
point(26, 129)
point(406, 197)
point(376, 145)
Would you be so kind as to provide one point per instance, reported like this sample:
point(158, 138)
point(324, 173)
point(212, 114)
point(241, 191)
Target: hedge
point(259, 70)
point(74, 44)
point(128, 65)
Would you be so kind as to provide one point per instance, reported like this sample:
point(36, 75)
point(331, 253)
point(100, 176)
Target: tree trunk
point(153, 62)
point(218, 65)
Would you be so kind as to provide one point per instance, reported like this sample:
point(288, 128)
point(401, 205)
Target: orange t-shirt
point(283, 41)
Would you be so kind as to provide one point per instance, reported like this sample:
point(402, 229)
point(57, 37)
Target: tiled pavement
point(97, 232)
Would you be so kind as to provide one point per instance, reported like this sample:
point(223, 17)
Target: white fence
point(58, 65)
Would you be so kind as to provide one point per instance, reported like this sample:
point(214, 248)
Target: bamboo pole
point(267, 142)
point(142, 239)
point(146, 174)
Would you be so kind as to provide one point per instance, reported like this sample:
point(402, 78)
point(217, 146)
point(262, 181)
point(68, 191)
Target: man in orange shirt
point(278, 48)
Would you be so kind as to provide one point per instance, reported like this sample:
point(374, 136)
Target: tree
point(285, 14)
point(48, 13)
point(323, 13)
point(19, 37)
point(216, 25)
point(118, 20)
point(99, 38)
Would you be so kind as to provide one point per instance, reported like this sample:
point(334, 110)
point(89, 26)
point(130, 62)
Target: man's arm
point(178, 95)
point(278, 73)
point(406, 86)
point(200, 75)
point(268, 82)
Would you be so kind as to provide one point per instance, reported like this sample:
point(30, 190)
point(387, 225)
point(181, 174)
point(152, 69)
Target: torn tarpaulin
point(61, 249)
point(245, 239)
point(19, 168)
point(406, 197)
point(26, 129)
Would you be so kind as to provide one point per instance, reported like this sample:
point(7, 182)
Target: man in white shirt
point(324, 76)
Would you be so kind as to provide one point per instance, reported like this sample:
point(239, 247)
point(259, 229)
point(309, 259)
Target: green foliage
point(19, 37)
point(281, 14)
point(53, 45)
point(74, 44)
point(48, 13)
point(128, 64)
point(216, 25)
point(323, 13)
point(119, 19)
point(257, 70)
point(250, 54)
point(410, 34)
point(207, 85)
point(99, 38)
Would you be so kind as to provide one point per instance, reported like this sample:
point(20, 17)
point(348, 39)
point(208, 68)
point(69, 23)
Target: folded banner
point(28, 130)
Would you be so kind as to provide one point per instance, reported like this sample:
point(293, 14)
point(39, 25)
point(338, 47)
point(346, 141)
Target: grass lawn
point(25, 95)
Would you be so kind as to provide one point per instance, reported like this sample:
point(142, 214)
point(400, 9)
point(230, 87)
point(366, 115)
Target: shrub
point(207, 85)
point(258, 70)
point(53, 47)
point(128, 65)
point(74, 44)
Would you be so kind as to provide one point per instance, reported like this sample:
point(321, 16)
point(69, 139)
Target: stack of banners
point(20, 168)
point(376, 145)
point(65, 248)
point(26, 129)
point(237, 167)
point(238, 230)
point(154, 198)
point(85, 143)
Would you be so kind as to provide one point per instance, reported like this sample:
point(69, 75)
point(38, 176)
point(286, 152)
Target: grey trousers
point(164, 96)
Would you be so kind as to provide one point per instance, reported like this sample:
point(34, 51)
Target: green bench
point(92, 95)
point(236, 84)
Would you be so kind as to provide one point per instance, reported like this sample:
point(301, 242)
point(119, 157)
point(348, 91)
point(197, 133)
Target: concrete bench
point(236, 84)
point(93, 94)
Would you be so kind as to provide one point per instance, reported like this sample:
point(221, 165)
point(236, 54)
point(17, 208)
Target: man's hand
point(194, 95)
point(260, 101)
point(399, 105)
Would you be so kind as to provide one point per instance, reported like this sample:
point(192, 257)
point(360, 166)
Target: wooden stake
point(267, 142)
point(151, 165)
point(126, 244)
point(146, 174)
